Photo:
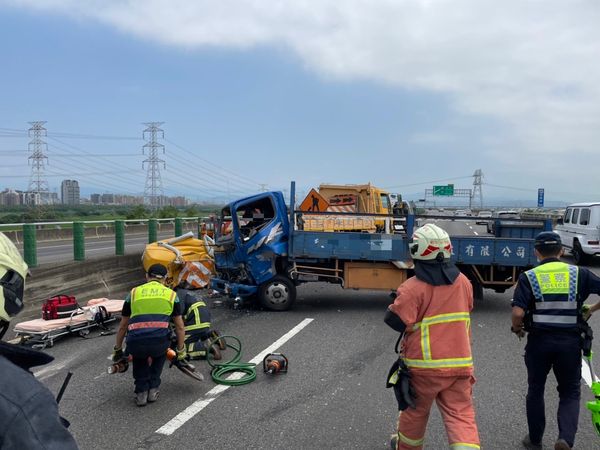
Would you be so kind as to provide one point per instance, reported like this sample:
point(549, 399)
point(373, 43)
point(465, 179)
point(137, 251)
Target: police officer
point(28, 412)
point(547, 303)
point(145, 320)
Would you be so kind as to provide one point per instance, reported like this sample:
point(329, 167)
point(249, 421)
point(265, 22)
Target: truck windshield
point(253, 216)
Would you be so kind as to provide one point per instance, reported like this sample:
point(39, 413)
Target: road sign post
point(540, 198)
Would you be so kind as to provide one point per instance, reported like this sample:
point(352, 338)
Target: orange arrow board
point(314, 202)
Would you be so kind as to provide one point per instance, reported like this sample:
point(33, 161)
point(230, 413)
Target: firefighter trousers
point(454, 399)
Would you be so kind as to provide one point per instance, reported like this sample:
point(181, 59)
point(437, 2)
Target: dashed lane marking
point(181, 418)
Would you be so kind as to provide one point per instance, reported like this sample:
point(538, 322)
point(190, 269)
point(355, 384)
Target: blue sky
point(403, 94)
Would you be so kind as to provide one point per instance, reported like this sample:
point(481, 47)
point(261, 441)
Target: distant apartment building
point(10, 197)
point(69, 192)
point(122, 199)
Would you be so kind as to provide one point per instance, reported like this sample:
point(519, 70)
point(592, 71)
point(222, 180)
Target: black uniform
point(554, 342)
point(196, 318)
point(28, 412)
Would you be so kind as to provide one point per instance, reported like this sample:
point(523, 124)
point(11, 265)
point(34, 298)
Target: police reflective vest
point(554, 287)
point(151, 308)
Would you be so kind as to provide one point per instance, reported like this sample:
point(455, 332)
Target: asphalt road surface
point(332, 397)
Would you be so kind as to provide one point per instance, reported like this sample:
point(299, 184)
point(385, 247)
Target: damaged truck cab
point(251, 250)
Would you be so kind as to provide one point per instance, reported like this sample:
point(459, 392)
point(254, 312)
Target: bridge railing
point(29, 233)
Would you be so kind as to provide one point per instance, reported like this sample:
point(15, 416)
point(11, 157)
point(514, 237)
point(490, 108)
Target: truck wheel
point(277, 294)
point(578, 256)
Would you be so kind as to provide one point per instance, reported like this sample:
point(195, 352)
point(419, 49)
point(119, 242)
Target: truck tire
point(579, 257)
point(277, 294)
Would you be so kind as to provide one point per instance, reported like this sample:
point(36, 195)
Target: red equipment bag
point(58, 307)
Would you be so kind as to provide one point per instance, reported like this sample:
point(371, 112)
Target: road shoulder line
point(175, 423)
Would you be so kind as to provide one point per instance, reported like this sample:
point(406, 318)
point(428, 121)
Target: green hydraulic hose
point(220, 370)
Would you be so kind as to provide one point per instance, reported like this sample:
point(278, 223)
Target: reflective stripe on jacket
point(197, 317)
point(554, 287)
point(151, 308)
point(438, 326)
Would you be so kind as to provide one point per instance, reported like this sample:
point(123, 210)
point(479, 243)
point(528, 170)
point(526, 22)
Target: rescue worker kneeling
point(199, 337)
point(433, 307)
point(145, 320)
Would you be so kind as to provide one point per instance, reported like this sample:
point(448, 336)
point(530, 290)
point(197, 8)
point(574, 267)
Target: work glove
point(399, 378)
point(117, 354)
point(181, 354)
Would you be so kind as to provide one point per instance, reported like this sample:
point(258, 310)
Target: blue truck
point(261, 251)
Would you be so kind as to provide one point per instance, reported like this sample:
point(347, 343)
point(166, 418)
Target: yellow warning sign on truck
point(314, 202)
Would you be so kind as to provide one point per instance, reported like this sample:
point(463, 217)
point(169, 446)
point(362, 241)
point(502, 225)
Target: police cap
point(547, 238)
point(157, 271)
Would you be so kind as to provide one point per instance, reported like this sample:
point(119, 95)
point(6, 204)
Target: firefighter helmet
point(430, 241)
point(13, 271)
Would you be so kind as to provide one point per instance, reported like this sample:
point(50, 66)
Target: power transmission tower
point(153, 190)
point(477, 177)
point(38, 185)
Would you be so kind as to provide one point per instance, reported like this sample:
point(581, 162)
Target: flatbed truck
point(269, 257)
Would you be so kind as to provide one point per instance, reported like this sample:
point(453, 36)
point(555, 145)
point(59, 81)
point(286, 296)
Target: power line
point(213, 164)
point(427, 182)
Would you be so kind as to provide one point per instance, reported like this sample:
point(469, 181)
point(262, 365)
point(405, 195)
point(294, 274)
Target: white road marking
point(181, 418)
point(476, 233)
point(47, 372)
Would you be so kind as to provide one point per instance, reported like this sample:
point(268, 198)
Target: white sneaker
point(153, 395)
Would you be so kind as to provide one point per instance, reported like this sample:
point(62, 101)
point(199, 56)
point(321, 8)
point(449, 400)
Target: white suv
point(579, 230)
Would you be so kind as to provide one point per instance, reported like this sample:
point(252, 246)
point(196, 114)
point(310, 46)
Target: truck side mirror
point(560, 221)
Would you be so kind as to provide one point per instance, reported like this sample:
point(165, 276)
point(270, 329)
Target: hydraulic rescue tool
point(275, 363)
point(587, 335)
point(183, 365)
point(119, 367)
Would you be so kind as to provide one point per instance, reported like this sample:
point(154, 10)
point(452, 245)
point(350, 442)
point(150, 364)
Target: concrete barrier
point(111, 277)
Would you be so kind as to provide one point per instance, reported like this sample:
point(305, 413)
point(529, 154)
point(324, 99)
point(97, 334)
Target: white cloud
point(531, 64)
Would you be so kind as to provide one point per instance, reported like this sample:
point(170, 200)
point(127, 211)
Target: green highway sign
point(443, 190)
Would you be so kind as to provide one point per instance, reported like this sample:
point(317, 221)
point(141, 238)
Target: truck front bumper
point(232, 289)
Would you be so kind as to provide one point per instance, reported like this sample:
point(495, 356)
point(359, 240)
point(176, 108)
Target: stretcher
point(40, 333)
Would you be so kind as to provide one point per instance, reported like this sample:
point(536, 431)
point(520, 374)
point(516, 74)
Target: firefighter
point(198, 332)
point(145, 320)
point(28, 411)
point(432, 308)
point(548, 303)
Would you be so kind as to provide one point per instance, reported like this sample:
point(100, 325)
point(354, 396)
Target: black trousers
point(561, 352)
point(148, 358)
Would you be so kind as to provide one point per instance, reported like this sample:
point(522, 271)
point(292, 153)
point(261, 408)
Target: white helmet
point(13, 271)
point(428, 242)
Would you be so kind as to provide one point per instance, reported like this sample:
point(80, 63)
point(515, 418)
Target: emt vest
point(439, 342)
point(151, 308)
point(554, 287)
